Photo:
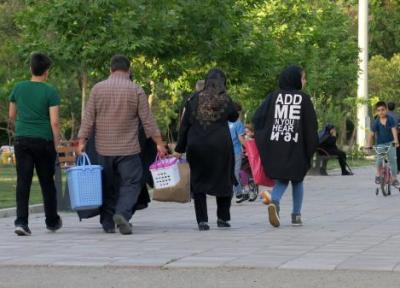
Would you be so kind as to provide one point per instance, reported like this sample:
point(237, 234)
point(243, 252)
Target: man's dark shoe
point(242, 198)
point(273, 215)
point(22, 230)
point(223, 224)
point(125, 228)
point(347, 173)
point(109, 230)
point(296, 220)
point(203, 226)
point(55, 227)
point(108, 225)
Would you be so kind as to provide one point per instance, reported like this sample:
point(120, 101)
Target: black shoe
point(347, 173)
point(125, 228)
point(203, 226)
point(109, 230)
point(242, 198)
point(22, 230)
point(55, 227)
point(223, 224)
point(296, 220)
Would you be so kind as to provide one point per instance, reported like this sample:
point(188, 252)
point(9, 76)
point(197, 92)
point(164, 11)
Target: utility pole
point(362, 83)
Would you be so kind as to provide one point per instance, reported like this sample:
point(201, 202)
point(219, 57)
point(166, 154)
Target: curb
point(11, 212)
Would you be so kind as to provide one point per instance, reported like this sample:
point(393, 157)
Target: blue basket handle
point(83, 160)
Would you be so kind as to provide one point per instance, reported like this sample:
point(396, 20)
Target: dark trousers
point(398, 159)
point(200, 206)
point(122, 183)
point(342, 160)
point(40, 154)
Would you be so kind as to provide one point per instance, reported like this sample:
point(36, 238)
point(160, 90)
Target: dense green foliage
point(384, 27)
point(384, 77)
point(173, 43)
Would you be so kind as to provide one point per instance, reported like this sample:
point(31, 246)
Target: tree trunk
point(343, 136)
point(73, 126)
point(353, 139)
point(84, 84)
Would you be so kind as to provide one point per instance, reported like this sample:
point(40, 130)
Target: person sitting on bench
point(327, 146)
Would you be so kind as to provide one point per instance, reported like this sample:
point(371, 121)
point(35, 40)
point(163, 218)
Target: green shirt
point(33, 100)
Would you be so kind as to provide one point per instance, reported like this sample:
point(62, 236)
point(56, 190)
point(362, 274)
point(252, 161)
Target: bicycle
point(385, 180)
point(250, 187)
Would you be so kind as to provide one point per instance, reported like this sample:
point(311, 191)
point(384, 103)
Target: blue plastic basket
point(84, 183)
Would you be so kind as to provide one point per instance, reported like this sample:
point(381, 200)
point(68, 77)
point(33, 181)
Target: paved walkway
point(347, 228)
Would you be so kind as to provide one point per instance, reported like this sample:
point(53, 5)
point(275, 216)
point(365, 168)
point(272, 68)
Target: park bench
point(66, 159)
point(320, 162)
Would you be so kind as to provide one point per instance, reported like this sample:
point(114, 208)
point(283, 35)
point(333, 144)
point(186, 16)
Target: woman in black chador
point(204, 135)
point(327, 145)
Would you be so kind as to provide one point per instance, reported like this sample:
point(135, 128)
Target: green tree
point(384, 78)
point(83, 35)
point(173, 43)
point(10, 62)
point(384, 27)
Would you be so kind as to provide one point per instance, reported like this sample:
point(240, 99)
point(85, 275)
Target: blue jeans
point(298, 193)
point(238, 189)
point(392, 157)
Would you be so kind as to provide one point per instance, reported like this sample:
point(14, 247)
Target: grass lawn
point(333, 164)
point(8, 180)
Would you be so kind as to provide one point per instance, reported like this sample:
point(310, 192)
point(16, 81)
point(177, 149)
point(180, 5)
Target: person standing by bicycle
point(384, 130)
point(392, 112)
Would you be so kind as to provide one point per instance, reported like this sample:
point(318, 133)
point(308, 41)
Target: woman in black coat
point(286, 135)
point(204, 135)
point(327, 145)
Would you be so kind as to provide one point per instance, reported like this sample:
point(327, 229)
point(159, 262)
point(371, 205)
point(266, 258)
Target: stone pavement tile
point(81, 263)
point(28, 261)
point(342, 228)
point(258, 261)
point(379, 263)
point(199, 261)
point(145, 262)
point(315, 260)
point(397, 267)
point(5, 258)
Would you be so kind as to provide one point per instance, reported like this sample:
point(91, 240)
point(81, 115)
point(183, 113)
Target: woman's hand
point(162, 151)
point(177, 155)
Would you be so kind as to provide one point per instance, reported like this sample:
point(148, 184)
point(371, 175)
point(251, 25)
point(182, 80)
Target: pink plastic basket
point(165, 172)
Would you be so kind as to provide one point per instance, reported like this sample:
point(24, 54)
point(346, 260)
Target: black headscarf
point(290, 78)
point(326, 133)
point(213, 100)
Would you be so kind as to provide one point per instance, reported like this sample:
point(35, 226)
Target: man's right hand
point(81, 147)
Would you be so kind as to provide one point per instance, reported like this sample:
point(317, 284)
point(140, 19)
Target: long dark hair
point(213, 99)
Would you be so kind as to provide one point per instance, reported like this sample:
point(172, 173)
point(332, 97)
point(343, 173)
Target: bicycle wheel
point(253, 189)
point(383, 187)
